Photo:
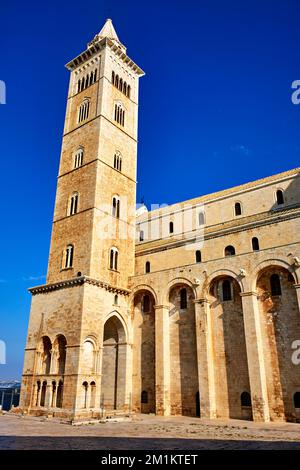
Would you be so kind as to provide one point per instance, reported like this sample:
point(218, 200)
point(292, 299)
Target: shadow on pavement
point(133, 443)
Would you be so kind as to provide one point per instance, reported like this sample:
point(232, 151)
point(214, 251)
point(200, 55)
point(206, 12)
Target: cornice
point(96, 48)
point(78, 281)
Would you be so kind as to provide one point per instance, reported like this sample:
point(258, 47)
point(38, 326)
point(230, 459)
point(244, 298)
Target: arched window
point(69, 256)
point(78, 158)
point(238, 208)
point(128, 91)
point(113, 259)
point(84, 110)
point(255, 244)
point(275, 284)
point(73, 207)
point(116, 299)
point(245, 399)
point(198, 256)
point(95, 75)
point(226, 290)
point(171, 227)
point(146, 303)
point(118, 161)
point(201, 218)
point(121, 84)
point(78, 86)
point(117, 81)
point(229, 251)
point(279, 197)
point(144, 396)
point(85, 387)
point(113, 77)
point(147, 267)
point(119, 114)
point(116, 207)
point(125, 88)
point(297, 400)
point(183, 298)
point(88, 356)
point(141, 235)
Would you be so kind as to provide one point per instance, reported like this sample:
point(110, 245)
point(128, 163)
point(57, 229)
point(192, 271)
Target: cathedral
point(190, 309)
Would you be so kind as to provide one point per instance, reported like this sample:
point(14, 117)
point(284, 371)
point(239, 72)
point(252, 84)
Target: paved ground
point(146, 432)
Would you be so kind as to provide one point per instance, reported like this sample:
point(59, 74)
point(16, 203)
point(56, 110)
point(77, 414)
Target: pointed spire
point(108, 31)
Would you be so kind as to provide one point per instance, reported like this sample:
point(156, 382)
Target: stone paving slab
point(146, 432)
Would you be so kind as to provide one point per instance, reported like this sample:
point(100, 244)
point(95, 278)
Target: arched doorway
point(144, 352)
point(229, 347)
point(184, 383)
point(279, 310)
point(113, 385)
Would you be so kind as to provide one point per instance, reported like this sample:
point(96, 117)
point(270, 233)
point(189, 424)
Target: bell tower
point(78, 354)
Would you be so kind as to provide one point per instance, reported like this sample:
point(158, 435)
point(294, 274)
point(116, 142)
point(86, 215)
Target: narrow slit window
point(183, 298)
point(275, 284)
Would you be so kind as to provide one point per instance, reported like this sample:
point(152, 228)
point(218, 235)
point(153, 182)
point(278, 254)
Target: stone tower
point(78, 353)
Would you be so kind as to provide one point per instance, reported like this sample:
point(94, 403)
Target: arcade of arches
point(227, 354)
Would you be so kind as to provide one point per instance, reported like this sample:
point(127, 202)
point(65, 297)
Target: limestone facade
point(190, 309)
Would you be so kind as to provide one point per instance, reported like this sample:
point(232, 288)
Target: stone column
point(255, 357)
point(128, 381)
point(35, 394)
point(162, 360)
point(297, 287)
point(205, 359)
point(54, 395)
point(53, 363)
point(122, 398)
point(98, 379)
point(48, 397)
point(39, 395)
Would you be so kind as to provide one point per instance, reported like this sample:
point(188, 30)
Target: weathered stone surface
point(160, 333)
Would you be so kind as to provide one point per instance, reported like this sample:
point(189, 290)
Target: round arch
point(269, 263)
point(221, 273)
point(93, 338)
point(59, 337)
point(143, 287)
point(175, 282)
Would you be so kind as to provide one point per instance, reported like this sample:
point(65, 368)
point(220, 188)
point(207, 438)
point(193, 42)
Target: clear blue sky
point(215, 111)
